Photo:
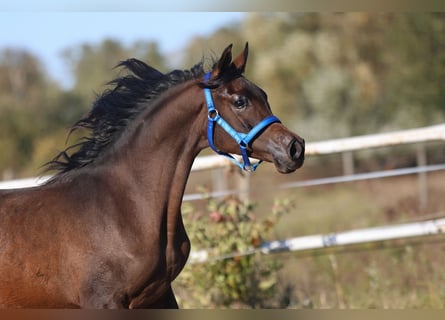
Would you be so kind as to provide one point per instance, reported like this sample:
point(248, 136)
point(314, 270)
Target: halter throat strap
point(242, 139)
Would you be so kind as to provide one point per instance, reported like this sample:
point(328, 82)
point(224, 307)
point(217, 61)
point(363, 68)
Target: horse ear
point(223, 62)
point(241, 60)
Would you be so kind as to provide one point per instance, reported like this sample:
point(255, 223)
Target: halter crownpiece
point(242, 139)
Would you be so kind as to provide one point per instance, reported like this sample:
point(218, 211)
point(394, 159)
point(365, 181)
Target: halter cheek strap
point(242, 139)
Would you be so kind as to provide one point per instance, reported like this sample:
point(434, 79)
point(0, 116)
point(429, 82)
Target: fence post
point(348, 163)
point(422, 177)
point(244, 186)
point(219, 181)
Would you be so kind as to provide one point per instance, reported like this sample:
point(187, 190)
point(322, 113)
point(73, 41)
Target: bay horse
point(106, 231)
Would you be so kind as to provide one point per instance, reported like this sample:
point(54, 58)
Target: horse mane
point(115, 108)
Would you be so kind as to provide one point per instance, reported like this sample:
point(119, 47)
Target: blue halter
point(243, 139)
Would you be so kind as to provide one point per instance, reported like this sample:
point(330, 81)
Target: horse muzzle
point(287, 152)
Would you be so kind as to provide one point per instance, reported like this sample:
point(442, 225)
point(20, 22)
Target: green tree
point(22, 80)
point(417, 75)
point(93, 65)
point(208, 47)
point(24, 93)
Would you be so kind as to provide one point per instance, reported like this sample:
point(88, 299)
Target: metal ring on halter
point(215, 113)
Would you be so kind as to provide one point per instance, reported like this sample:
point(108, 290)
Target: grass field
point(397, 274)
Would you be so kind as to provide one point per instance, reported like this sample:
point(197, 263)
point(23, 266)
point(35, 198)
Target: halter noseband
point(243, 139)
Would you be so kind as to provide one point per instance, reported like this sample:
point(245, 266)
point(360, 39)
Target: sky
point(47, 34)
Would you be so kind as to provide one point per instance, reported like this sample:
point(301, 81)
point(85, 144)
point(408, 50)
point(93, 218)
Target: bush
point(236, 274)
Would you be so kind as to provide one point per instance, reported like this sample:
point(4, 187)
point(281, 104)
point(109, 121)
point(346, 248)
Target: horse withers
point(106, 231)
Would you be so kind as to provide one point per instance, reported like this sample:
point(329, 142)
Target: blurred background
point(326, 75)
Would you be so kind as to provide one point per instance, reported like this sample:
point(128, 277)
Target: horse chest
point(163, 265)
point(156, 290)
point(177, 257)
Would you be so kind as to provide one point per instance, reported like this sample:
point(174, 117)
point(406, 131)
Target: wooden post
point(422, 177)
point(244, 186)
point(219, 181)
point(348, 163)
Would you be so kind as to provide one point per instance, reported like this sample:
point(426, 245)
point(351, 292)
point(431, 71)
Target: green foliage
point(23, 90)
point(368, 71)
point(237, 275)
point(93, 64)
point(417, 67)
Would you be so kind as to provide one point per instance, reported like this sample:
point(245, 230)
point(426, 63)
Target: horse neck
point(154, 159)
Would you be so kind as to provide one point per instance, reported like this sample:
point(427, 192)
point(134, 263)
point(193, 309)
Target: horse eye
point(241, 102)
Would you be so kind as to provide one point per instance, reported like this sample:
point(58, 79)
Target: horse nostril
point(296, 149)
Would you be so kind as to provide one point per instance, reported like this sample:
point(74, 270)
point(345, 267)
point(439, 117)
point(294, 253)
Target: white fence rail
point(426, 134)
point(347, 238)
point(432, 133)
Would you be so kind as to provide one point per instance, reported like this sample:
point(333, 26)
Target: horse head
point(241, 120)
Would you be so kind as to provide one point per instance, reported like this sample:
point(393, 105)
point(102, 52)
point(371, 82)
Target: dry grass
point(398, 274)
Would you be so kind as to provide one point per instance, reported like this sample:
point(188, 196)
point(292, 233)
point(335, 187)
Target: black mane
point(115, 108)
